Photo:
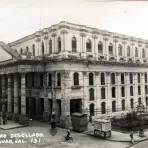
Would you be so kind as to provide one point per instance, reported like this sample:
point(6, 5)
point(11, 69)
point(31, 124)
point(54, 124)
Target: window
point(41, 80)
point(49, 79)
point(128, 51)
point(100, 47)
point(145, 77)
point(76, 78)
point(143, 53)
point(59, 44)
point(91, 79)
point(74, 44)
point(139, 90)
point(136, 52)
point(122, 78)
point(122, 91)
point(58, 79)
point(131, 78)
point(113, 92)
point(33, 50)
point(113, 106)
point(120, 50)
point(27, 49)
point(91, 94)
point(91, 108)
point(131, 91)
point(103, 93)
point(112, 78)
point(146, 89)
point(146, 101)
point(110, 48)
point(132, 103)
point(138, 77)
point(88, 46)
point(123, 104)
point(103, 107)
point(139, 101)
point(43, 48)
point(50, 46)
point(21, 51)
point(32, 79)
point(102, 79)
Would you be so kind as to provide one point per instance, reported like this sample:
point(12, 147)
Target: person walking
point(132, 137)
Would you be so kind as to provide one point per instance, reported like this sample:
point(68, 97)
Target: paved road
point(54, 139)
point(143, 144)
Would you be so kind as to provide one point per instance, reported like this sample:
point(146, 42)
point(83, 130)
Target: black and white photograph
point(73, 74)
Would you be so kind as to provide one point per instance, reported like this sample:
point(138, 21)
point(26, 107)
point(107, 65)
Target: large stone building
point(70, 68)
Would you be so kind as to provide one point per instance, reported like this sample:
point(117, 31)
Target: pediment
point(4, 55)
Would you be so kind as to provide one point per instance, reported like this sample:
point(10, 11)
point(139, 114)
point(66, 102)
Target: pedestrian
point(53, 121)
point(132, 137)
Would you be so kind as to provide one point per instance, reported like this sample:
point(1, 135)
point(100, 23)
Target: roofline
point(31, 36)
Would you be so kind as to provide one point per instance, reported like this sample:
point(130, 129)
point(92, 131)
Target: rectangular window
point(49, 79)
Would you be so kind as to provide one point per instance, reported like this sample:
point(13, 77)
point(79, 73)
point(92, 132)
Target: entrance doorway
point(41, 108)
point(75, 106)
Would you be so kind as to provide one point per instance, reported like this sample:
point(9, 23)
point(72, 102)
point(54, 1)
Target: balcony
point(112, 58)
point(76, 87)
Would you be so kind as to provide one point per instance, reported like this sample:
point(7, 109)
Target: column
point(9, 105)
point(118, 82)
point(3, 93)
point(23, 94)
point(127, 91)
point(16, 94)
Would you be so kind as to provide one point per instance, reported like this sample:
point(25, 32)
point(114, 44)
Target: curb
point(13, 127)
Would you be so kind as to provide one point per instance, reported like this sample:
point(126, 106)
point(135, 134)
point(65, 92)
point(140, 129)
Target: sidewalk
point(118, 136)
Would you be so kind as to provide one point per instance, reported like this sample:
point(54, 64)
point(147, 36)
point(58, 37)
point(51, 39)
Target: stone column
point(16, 94)
point(23, 94)
point(9, 102)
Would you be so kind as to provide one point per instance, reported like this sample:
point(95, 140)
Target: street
point(55, 139)
point(143, 144)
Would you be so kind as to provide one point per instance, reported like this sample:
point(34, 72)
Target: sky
point(19, 18)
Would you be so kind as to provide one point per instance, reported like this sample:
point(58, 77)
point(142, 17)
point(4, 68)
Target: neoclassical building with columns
point(69, 68)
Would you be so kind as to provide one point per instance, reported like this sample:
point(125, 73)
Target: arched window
point(43, 48)
point(102, 79)
point(122, 78)
point(100, 47)
point(136, 52)
point(113, 92)
point(146, 101)
point(91, 94)
point(112, 78)
point(21, 51)
point(139, 101)
point(59, 44)
point(145, 76)
point(143, 53)
point(132, 103)
point(91, 109)
point(138, 77)
point(50, 46)
point(128, 51)
point(58, 79)
point(113, 106)
point(91, 79)
point(131, 91)
point(122, 91)
point(146, 89)
point(49, 79)
point(139, 90)
point(131, 78)
point(74, 44)
point(27, 49)
point(120, 50)
point(110, 49)
point(33, 50)
point(103, 93)
point(76, 78)
point(88, 46)
point(103, 108)
point(123, 104)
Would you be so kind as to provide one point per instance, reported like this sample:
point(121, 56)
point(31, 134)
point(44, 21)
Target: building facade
point(69, 68)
